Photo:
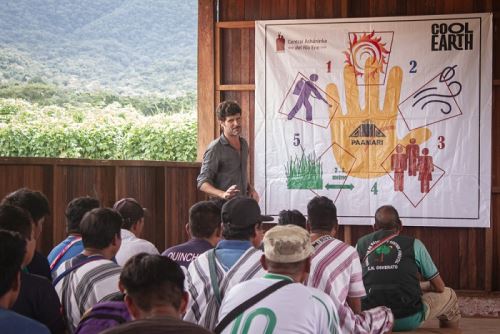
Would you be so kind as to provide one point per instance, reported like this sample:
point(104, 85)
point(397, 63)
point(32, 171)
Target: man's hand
point(362, 156)
point(230, 192)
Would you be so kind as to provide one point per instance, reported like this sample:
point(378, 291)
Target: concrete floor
point(467, 326)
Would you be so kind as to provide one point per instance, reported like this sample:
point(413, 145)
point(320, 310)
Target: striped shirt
point(86, 286)
point(203, 307)
point(336, 269)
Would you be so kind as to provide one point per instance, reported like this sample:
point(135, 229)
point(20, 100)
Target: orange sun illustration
point(367, 47)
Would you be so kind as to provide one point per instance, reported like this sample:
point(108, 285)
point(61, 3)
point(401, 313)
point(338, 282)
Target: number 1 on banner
point(329, 66)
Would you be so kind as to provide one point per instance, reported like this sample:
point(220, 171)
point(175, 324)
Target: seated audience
point(204, 229)
point(37, 298)
point(336, 270)
point(287, 259)
point(91, 277)
point(392, 264)
point(12, 254)
point(292, 217)
point(37, 204)
point(72, 245)
point(235, 259)
point(133, 224)
point(155, 297)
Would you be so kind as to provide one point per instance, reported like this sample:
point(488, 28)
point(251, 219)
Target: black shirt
point(38, 300)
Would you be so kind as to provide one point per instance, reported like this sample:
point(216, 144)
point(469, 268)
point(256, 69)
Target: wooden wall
point(468, 258)
point(165, 189)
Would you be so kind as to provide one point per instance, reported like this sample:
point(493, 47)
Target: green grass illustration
point(304, 173)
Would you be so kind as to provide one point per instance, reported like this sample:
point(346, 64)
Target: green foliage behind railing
point(111, 132)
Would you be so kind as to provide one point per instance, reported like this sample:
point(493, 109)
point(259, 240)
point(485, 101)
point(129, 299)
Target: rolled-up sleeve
point(208, 167)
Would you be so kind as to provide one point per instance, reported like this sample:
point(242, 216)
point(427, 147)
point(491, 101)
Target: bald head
point(387, 218)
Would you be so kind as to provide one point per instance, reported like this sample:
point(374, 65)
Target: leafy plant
point(110, 132)
point(305, 172)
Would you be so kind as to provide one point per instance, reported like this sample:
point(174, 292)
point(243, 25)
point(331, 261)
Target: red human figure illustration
point(280, 43)
point(413, 152)
point(399, 165)
point(425, 169)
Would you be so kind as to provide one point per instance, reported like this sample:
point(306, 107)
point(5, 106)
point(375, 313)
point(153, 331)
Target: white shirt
point(131, 245)
point(294, 308)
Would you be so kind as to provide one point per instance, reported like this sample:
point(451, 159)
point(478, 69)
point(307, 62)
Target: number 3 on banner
point(441, 143)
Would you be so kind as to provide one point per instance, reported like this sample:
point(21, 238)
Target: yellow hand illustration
point(365, 138)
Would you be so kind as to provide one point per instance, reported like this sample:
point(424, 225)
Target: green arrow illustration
point(349, 186)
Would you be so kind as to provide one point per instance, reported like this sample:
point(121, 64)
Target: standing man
point(224, 169)
point(392, 264)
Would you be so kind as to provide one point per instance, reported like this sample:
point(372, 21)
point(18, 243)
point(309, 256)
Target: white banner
point(375, 111)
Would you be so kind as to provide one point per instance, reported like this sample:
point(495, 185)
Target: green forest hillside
point(128, 47)
point(98, 79)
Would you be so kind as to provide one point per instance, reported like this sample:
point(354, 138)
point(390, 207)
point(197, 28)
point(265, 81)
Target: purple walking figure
point(303, 89)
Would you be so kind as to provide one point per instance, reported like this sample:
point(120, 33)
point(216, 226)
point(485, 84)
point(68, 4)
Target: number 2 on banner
point(413, 64)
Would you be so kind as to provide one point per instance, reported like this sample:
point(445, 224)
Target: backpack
point(103, 316)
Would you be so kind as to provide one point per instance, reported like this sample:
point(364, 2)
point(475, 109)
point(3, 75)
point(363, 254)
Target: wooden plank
point(236, 87)
point(206, 84)
point(88, 162)
point(235, 25)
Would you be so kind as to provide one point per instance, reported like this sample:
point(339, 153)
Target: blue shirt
point(74, 250)
point(13, 323)
point(229, 251)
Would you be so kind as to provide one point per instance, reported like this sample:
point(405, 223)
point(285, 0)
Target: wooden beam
point(206, 84)
point(496, 82)
point(236, 25)
point(236, 87)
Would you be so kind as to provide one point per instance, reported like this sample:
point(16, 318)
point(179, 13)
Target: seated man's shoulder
point(158, 325)
point(14, 323)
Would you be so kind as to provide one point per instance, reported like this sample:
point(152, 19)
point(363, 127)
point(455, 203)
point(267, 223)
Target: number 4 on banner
point(374, 189)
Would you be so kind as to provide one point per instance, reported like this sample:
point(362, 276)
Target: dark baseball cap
point(129, 209)
point(241, 212)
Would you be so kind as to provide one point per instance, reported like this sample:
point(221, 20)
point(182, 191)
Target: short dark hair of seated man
point(12, 255)
point(204, 227)
point(12, 251)
point(100, 227)
point(76, 209)
point(16, 219)
point(322, 214)
point(292, 217)
point(37, 204)
point(392, 266)
point(155, 296)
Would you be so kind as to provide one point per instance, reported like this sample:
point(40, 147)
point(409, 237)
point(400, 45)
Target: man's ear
point(184, 304)
point(188, 230)
point(263, 262)
point(132, 308)
point(307, 268)
point(308, 226)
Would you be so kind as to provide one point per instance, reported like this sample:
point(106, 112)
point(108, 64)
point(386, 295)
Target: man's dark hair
point(241, 233)
point(387, 218)
point(35, 202)
point(76, 209)
point(152, 280)
point(227, 108)
point(99, 227)
point(322, 214)
point(292, 217)
point(204, 219)
point(12, 249)
point(16, 219)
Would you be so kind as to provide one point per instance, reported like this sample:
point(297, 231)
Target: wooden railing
point(166, 189)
